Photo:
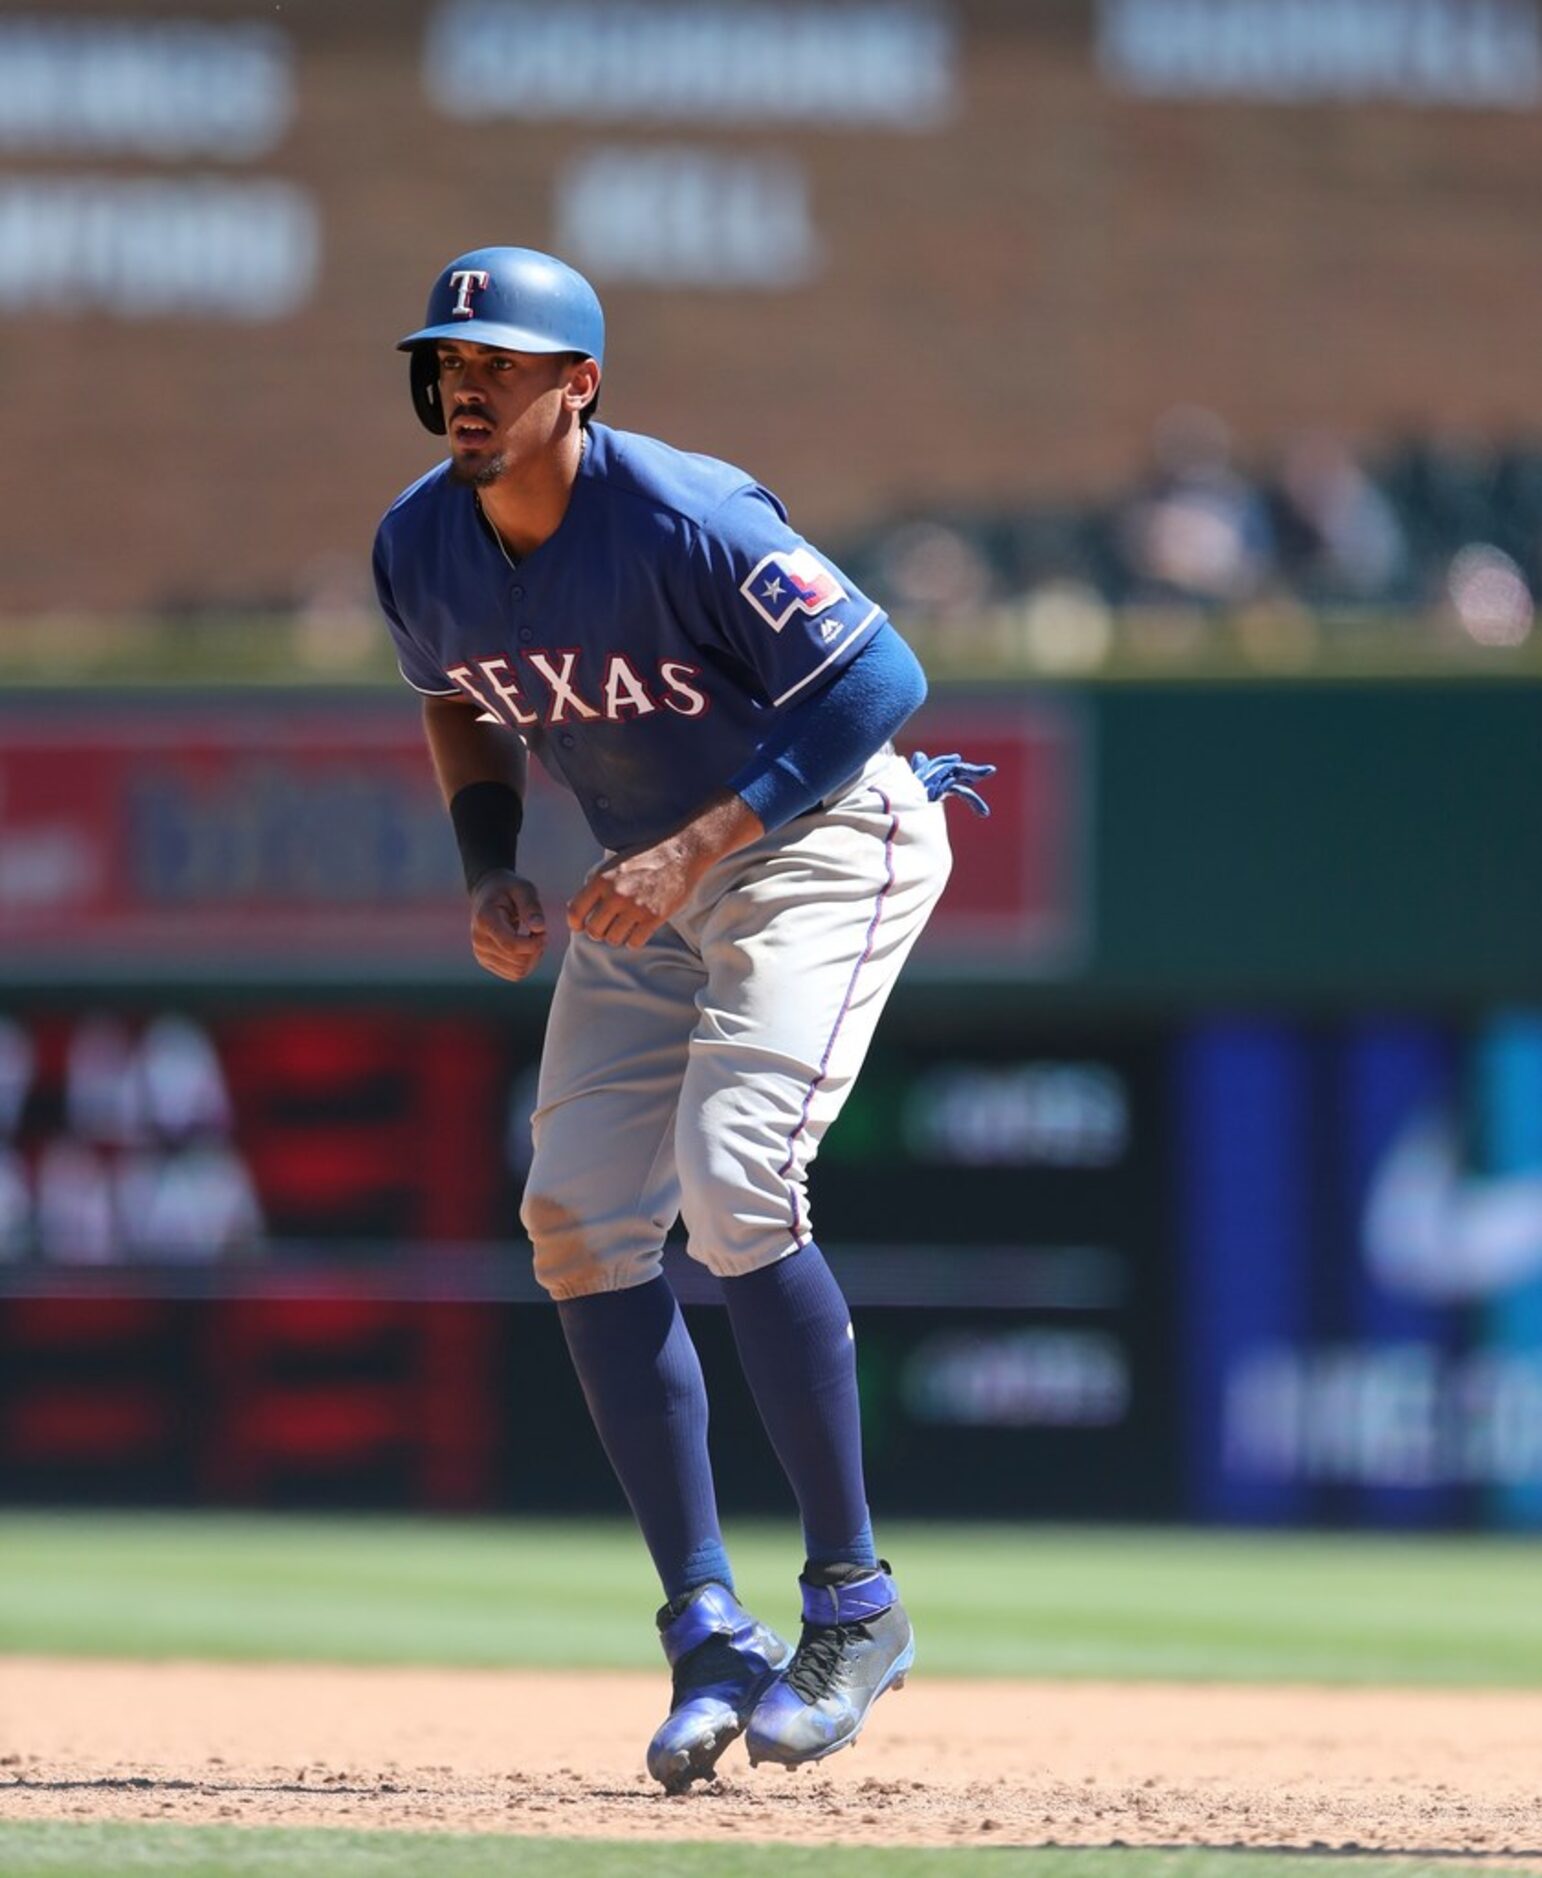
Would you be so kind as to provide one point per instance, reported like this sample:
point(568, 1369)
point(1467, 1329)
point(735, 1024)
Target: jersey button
point(566, 740)
point(602, 802)
point(525, 633)
point(516, 593)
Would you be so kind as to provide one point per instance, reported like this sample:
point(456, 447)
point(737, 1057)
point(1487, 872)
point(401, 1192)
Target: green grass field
point(988, 1601)
point(218, 1852)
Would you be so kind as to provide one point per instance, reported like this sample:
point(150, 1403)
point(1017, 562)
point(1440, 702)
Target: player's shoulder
point(417, 503)
point(631, 468)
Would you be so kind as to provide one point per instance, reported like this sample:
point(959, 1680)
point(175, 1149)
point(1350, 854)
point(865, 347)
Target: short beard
point(479, 476)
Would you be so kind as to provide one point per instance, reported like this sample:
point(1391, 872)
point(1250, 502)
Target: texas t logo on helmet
point(466, 281)
point(515, 298)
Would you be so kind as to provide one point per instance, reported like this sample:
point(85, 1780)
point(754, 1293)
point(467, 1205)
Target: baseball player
point(721, 700)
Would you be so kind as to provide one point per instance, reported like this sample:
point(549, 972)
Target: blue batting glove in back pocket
point(943, 776)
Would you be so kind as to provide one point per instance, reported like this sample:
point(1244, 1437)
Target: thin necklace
point(503, 546)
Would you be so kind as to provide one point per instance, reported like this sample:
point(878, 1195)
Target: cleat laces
point(820, 1652)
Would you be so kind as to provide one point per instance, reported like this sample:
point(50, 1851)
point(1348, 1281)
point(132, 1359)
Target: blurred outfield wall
point(1195, 1172)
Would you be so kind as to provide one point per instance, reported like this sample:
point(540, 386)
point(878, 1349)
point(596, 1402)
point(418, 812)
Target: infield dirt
point(1421, 1772)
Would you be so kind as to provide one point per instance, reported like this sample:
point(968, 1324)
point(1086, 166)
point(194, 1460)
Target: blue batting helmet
point(510, 297)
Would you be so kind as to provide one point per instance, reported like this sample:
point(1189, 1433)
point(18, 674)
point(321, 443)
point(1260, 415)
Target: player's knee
point(741, 1210)
point(575, 1256)
point(565, 1262)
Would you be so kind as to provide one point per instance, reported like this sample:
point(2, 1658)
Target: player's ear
point(583, 384)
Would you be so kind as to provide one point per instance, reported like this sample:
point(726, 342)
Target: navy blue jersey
point(646, 648)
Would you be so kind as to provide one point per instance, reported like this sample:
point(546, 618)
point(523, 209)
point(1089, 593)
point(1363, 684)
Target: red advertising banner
point(1018, 899)
point(219, 837)
point(216, 838)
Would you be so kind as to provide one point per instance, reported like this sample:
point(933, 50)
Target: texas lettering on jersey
point(618, 694)
point(647, 648)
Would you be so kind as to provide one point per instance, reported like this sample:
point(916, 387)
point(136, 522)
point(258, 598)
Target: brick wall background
point(1007, 304)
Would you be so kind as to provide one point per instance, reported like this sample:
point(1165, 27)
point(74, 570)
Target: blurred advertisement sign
point(1037, 1114)
point(1436, 1230)
point(851, 65)
point(1450, 52)
point(1019, 1181)
point(1014, 1330)
point(151, 247)
point(686, 216)
point(1034, 1378)
point(223, 839)
point(157, 248)
point(1405, 1416)
point(148, 88)
point(1361, 1219)
point(211, 841)
point(682, 217)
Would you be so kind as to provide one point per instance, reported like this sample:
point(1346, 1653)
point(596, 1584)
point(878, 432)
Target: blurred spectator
point(1429, 530)
point(1339, 538)
point(1443, 490)
point(1488, 596)
point(1516, 490)
point(183, 1083)
point(934, 570)
point(104, 1097)
point(1197, 530)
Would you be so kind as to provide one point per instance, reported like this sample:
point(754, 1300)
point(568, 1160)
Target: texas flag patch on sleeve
point(794, 580)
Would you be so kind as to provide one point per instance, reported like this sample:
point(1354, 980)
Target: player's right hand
point(508, 928)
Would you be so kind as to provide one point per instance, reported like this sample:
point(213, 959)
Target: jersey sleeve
point(785, 611)
point(418, 670)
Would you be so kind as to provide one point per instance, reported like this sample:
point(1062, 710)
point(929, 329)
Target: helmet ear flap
point(423, 375)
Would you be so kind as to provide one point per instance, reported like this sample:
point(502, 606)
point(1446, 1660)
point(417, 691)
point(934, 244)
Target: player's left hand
point(629, 896)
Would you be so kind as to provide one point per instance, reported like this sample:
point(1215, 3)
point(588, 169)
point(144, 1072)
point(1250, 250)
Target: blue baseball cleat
point(723, 1662)
point(856, 1643)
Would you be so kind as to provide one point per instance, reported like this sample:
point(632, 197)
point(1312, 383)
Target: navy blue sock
point(793, 1331)
point(642, 1380)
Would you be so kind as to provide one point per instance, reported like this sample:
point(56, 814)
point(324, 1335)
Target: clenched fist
point(508, 928)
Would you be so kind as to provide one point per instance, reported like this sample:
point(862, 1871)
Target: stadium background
point(1167, 365)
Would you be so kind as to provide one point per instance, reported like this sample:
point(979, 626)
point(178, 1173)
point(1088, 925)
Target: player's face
point(502, 409)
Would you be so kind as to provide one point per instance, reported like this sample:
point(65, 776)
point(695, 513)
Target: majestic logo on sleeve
point(466, 281)
point(795, 581)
